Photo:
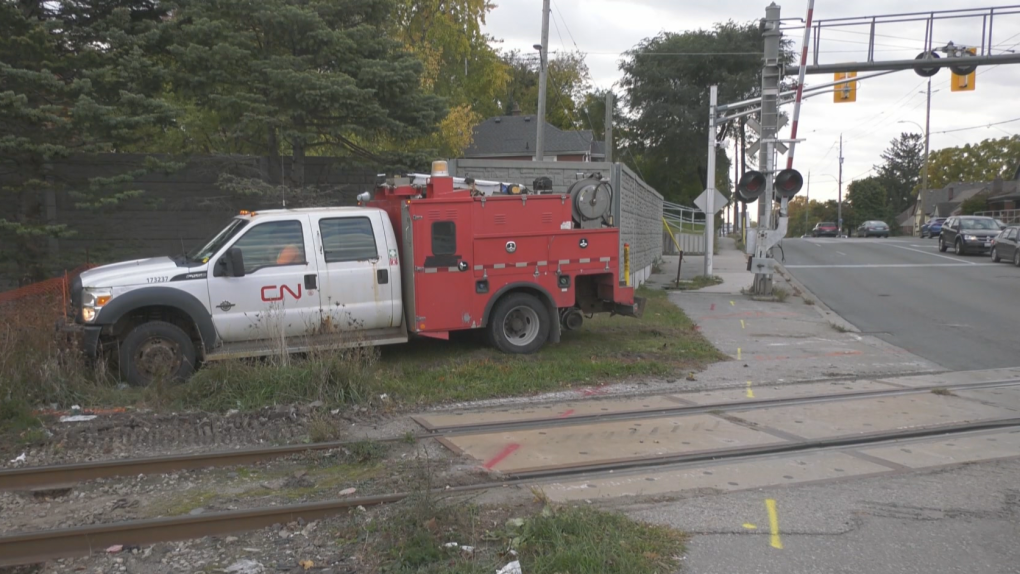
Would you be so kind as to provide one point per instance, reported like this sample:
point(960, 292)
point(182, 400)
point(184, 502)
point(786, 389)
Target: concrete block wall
point(637, 207)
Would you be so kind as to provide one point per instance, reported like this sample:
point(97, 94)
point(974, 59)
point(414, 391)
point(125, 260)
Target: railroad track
point(34, 547)
point(60, 475)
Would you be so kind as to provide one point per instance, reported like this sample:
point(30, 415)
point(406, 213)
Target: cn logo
point(272, 293)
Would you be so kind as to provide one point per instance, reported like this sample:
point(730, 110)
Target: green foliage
point(869, 200)
point(668, 97)
point(567, 84)
point(900, 172)
point(974, 204)
point(74, 79)
point(297, 75)
point(974, 163)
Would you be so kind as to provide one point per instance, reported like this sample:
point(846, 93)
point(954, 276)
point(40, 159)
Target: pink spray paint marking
point(510, 449)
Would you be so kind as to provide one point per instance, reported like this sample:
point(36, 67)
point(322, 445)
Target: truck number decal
point(272, 293)
point(157, 279)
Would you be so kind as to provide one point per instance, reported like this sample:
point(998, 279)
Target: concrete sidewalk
point(771, 342)
point(729, 265)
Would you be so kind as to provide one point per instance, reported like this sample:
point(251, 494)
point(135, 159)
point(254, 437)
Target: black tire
point(156, 350)
point(942, 245)
point(958, 247)
point(519, 324)
point(995, 256)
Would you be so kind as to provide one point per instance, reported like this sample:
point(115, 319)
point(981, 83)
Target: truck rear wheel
point(519, 324)
point(156, 350)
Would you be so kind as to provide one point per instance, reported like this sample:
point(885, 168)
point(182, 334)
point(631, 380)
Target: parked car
point(873, 228)
point(1007, 245)
point(825, 229)
point(933, 227)
point(969, 233)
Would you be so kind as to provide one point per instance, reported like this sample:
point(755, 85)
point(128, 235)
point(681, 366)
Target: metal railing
point(1008, 216)
point(688, 227)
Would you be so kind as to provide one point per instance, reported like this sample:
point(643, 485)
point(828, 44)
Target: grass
point(780, 294)
point(547, 539)
point(839, 328)
point(697, 282)
point(663, 342)
point(942, 391)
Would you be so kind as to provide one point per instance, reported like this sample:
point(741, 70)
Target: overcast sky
point(604, 29)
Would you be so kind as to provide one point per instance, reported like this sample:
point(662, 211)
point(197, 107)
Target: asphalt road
point(960, 312)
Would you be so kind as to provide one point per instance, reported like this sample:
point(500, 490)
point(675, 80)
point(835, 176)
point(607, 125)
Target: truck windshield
point(209, 248)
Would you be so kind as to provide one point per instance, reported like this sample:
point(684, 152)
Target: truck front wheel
point(519, 324)
point(156, 350)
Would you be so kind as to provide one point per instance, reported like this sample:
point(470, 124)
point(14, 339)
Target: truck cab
point(268, 282)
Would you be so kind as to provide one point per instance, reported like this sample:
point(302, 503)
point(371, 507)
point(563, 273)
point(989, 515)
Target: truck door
point(278, 295)
point(357, 287)
point(443, 279)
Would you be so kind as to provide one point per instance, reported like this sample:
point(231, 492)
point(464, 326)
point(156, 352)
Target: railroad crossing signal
point(846, 91)
point(751, 186)
point(964, 82)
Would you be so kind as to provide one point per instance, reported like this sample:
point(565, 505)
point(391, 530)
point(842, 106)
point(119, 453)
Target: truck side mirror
point(236, 259)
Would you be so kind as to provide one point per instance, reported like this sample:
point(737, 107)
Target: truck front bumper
point(85, 338)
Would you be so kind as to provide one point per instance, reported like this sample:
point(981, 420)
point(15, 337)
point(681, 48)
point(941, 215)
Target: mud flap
point(636, 310)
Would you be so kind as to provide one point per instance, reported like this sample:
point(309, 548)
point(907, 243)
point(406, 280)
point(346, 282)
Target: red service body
point(461, 253)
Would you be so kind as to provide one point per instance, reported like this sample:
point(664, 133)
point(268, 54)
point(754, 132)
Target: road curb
point(826, 313)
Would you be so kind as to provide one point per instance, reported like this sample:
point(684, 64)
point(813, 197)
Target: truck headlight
point(92, 301)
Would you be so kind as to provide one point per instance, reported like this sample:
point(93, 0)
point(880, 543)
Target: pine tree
point(900, 172)
point(298, 76)
point(74, 79)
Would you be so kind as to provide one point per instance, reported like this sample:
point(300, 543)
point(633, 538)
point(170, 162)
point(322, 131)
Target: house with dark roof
point(513, 138)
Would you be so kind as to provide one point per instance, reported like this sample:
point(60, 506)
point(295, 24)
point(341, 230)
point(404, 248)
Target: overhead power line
point(979, 127)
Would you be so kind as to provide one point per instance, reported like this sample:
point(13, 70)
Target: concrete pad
point(950, 449)
point(955, 378)
point(546, 411)
point(1006, 397)
point(866, 416)
point(772, 392)
point(717, 477)
point(523, 450)
point(732, 283)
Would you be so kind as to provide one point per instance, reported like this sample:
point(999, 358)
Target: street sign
point(719, 203)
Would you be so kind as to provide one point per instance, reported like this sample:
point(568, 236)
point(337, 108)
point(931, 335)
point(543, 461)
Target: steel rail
point(38, 546)
point(38, 477)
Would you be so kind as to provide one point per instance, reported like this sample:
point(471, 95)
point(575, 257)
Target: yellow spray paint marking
point(750, 526)
point(738, 353)
point(732, 304)
point(742, 325)
point(775, 541)
point(750, 393)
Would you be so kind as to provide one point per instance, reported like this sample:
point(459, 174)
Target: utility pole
point(543, 51)
point(609, 126)
point(924, 172)
point(839, 200)
point(713, 101)
point(770, 77)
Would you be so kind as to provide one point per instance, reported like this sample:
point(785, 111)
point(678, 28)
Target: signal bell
point(751, 186)
point(788, 183)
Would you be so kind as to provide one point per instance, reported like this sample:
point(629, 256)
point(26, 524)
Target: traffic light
point(788, 183)
point(751, 186)
point(846, 91)
point(964, 82)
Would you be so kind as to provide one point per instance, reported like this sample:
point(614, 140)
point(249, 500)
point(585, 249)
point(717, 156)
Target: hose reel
point(591, 202)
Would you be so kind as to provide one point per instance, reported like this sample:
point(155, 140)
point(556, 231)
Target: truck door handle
point(310, 282)
point(382, 276)
point(463, 265)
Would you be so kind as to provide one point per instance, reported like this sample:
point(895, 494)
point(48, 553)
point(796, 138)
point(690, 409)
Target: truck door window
point(444, 238)
point(272, 244)
point(348, 239)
